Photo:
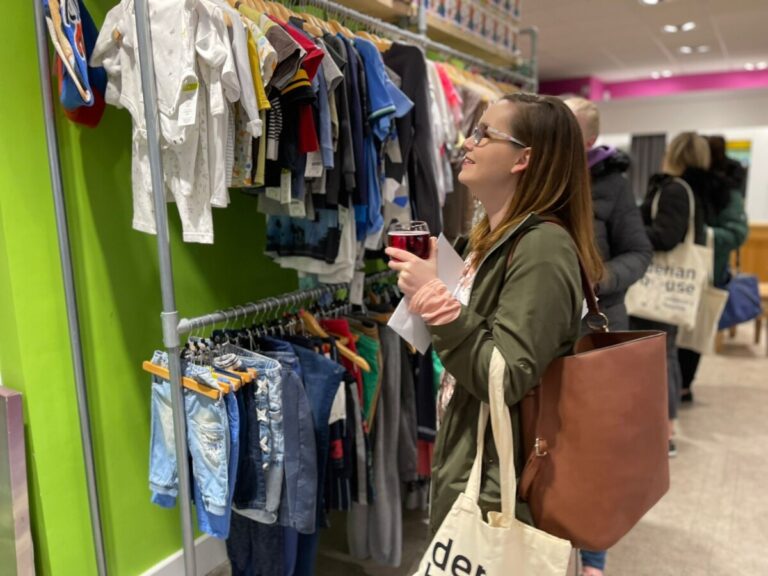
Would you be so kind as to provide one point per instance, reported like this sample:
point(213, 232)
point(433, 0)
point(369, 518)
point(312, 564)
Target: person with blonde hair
point(687, 158)
point(521, 289)
point(621, 239)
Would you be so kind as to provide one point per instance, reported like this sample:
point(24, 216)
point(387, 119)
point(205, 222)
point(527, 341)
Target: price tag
point(343, 216)
point(285, 187)
point(356, 288)
point(188, 108)
point(393, 151)
point(315, 166)
point(297, 209)
point(373, 241)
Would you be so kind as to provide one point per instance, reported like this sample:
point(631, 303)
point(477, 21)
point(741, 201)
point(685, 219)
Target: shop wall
point(735, 114)
point(117, 278)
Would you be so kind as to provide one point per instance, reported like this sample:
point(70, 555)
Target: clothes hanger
point(188, 383)
point(314, 328)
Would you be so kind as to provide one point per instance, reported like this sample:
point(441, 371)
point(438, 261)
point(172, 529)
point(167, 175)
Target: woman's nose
point(468, 144)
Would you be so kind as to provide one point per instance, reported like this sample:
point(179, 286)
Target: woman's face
point(492, 166)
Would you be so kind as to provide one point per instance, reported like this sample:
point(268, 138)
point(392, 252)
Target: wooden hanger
point(188, 383)
point(314, 328)
point(310, 26)
point(340, 29)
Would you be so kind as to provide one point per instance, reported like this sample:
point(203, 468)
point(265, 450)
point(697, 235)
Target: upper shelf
point(447, 32)
point(489, 18)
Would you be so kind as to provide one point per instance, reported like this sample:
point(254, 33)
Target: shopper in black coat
point(620, 237)
point(619, 231)
point(687, 157)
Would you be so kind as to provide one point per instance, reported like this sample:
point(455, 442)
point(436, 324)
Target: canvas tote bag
point(465, 543)
point(701, 337)
point(672, 286)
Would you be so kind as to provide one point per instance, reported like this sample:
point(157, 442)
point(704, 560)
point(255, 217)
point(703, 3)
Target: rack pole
point(70, 295)
point(170, 315)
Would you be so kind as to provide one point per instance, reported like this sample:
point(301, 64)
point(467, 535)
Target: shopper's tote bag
point(672, 286)
point(701, 337)
point(465, 543)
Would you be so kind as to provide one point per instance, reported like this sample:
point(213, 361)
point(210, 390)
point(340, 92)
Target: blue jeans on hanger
point(260, 480)
point(214, 524)
point(298, 509)
point(322, 378)
point(207, 437)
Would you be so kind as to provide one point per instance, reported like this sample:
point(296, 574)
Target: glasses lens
point(479, 133)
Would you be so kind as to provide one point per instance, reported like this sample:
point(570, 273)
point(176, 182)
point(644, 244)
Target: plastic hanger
point(314, 328)
point(188, 383)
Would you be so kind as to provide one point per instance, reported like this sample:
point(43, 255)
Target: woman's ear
point(522, 162)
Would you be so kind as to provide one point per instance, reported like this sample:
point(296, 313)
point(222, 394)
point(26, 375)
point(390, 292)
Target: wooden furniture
point(764, 316)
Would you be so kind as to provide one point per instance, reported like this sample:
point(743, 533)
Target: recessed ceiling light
point(762, 66)
point(703, 49)
point(686, 50)
point(749, 66)
point(688, 26)
point(666, 73)
point(670, 28)
point(655, 75)
point(650, 2)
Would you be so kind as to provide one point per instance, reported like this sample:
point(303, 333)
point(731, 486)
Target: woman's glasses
point(483, 131)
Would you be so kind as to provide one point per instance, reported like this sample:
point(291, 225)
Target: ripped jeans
point(207, 437)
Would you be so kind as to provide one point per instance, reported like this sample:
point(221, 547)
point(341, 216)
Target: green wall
point(117, 277)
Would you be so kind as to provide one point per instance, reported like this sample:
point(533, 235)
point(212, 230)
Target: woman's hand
point(414, 271)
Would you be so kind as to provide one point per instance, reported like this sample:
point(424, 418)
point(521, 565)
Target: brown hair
point(687, 150)
point(556, 183)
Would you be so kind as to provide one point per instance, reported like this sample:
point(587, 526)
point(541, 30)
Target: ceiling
point(623, 39)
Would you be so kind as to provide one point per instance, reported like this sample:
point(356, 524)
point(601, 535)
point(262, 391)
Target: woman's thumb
point(433, 247)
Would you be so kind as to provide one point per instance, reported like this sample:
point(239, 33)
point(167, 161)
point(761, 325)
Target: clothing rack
point(527, 82)
point(172, 326)
point(187, 325)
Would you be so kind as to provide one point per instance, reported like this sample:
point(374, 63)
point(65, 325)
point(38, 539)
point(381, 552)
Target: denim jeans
point(255, 549)
point(207, 437)
point(299, 498)
point(594, 559)
point(213, 524)
point(321, 382)
point(260, 479)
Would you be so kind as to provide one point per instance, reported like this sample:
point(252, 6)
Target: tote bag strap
point(690, 234)
point(501, 423)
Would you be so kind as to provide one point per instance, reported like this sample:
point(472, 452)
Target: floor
point(713, 521)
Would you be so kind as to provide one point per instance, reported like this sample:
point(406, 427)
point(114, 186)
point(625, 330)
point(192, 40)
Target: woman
point(723, 207)
point(521, 290)
point(687, 156)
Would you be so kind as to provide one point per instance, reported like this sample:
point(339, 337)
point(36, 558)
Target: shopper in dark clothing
point(687, 157)
point(620, 237)
point(723, 210)
point(731, 170)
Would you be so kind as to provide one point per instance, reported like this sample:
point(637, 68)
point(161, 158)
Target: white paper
point(411, 327)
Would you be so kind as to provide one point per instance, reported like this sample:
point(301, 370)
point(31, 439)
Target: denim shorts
point(207, 436)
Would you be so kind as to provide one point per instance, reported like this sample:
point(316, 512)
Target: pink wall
point(595, 89)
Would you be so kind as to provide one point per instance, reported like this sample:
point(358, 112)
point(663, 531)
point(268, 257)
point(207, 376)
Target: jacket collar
point(528, 222)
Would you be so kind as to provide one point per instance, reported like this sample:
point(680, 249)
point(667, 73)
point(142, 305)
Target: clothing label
point(315, 166)
point(297, 209)
point(188, 108)
point(356, 288)
point(391, 186)
point(373, 241)
point(343, 216)
point(285, 187)
point(339, 407)
point(393, 151)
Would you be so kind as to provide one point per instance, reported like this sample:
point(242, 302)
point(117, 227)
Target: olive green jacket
point(528, 307)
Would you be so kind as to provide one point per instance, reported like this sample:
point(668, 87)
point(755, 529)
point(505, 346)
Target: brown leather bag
point(596, 429)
